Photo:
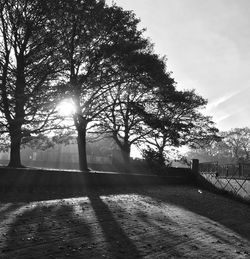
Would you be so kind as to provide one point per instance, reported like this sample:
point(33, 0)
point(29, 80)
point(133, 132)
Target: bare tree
point(233, 147)
point(238, 141)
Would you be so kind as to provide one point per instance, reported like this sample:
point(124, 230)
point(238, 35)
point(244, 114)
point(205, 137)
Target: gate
point(234, 178)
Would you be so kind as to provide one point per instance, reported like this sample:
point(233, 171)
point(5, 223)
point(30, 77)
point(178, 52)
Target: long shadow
point(47, 231)
point(34, 195)
point(119, 245)
point(228, 212)
point(54, 229)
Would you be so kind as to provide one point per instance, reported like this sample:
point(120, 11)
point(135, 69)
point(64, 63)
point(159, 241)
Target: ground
point(139, 222)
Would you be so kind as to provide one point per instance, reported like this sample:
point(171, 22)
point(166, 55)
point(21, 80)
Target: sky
point(207, 44)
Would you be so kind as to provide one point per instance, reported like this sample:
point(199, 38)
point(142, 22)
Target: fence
point(234, 178)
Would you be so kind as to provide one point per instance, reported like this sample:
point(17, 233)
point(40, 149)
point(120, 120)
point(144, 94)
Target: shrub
point(154, 159)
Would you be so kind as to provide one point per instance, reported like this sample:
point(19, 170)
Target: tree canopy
point(29, 67)
point(94, 54)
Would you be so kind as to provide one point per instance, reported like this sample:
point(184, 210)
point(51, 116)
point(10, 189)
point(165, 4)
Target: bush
point(154, 159)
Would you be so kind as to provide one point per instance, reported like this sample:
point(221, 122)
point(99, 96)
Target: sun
point(66, 108)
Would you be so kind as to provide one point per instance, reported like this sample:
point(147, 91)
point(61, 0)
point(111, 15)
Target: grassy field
point(170, 221)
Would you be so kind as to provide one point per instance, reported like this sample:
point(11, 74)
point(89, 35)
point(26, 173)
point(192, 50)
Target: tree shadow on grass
point(119, 245)
point(47, 231)
point(57, 229)
point(83, 227)
point(45, 194)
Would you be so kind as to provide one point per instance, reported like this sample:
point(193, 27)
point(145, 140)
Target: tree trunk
point(126, 157)
point(81, 127)
point(81, 142)
point(125, 150)
point(15, 150)
point(161, 153)
point(16, 124)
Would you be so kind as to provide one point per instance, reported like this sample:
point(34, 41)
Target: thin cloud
point(214, 104)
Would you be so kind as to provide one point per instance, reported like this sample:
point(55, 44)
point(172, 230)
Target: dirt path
point(157, 222)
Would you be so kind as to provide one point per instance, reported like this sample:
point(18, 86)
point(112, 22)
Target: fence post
point(240, 169)
point(195, 166)
point(195, 169)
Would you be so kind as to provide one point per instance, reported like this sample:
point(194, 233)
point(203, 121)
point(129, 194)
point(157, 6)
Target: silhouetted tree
point(176, 120)
point(97, 39)
point(121, 120)
point(172, 118)
point(149, 110)
point(28, 68)
point(154, 159)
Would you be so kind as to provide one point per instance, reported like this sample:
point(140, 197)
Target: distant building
point(101, 155)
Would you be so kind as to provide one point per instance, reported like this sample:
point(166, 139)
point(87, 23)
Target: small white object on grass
point(199, 191)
